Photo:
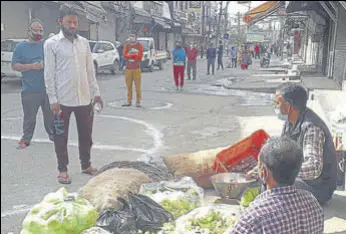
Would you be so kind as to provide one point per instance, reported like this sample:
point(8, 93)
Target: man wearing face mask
point(133, 53)
point(319, 167)
point(192, 53)
point(282, 208)
point(72, 88)
point(28, 59)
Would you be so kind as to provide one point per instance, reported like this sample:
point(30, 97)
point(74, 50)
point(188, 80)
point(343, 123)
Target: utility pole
point(130, 21)
point(238, 14)
point(218, 25)
point(226, 17)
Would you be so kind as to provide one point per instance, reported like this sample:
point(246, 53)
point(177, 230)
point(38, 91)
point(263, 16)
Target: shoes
point(138, 105)
point(22, 145)
point(126, 105)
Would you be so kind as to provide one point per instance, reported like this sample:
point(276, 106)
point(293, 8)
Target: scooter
point(265, 61)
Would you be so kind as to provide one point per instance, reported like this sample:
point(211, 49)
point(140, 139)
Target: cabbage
point(249, 195)
point(60, 213)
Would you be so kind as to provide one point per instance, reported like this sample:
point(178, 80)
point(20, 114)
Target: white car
point(105, 56)
point(7, 48)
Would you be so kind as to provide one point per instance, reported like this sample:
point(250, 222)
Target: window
point(181, 5)
point(186, 4)
point(145, 45)
point(92, 46)
point(107, 47)
point(8, 45)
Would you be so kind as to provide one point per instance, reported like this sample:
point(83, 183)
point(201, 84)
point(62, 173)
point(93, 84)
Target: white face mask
point(191, 47)
point(132, 39)
point(263, 179)
point(280, 115)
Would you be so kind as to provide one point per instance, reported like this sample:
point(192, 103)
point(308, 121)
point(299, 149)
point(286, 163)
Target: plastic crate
point(245, 150)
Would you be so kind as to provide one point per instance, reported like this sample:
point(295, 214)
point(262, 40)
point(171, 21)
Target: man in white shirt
point(71, 87)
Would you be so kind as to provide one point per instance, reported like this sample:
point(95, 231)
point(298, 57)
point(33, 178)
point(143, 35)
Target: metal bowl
point(231, 185)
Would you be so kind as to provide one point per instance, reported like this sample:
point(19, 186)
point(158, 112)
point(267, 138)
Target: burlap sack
point(198, 165)
point(103, 190)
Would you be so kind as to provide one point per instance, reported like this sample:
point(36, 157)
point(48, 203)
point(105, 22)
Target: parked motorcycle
point(265, 61)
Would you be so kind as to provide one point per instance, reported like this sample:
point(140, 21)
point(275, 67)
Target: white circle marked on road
point(147, 104)
point(147, 154)
point(154, 133)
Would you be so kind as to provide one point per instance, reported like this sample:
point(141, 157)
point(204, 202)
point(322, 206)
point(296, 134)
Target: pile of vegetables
point(60, 213)
point(212, 223)
point(249, 196)
point(179, 206)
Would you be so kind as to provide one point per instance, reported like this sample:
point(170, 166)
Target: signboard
point(195, 4)
point(226, 36)
point(255, 37)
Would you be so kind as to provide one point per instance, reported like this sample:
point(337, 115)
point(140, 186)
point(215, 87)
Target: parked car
point(151, 56)
point(7, 48)
point(105, 56)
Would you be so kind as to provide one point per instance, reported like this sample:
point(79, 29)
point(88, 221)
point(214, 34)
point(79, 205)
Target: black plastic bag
point(118, 222)
point(150, 216)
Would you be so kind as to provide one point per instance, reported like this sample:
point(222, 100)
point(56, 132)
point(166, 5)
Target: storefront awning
point(261, 12)
point(161, 22)
point(343, 3)
point(141, 16)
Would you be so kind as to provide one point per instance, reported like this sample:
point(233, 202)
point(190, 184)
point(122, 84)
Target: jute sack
point(198, 165)
point(103, 190)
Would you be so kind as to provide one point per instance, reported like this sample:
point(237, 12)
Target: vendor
point(305, 127)
point(282, 208)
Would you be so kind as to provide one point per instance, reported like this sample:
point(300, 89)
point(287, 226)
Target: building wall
point(15, 19)
point(106, 29)
point(49, 16)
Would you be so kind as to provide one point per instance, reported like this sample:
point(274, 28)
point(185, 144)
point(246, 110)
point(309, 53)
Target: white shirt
point(69, 71)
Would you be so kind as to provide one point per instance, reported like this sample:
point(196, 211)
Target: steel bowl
point(231, 185)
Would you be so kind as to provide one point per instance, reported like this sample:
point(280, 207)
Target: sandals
point(63, 178)
point(90, 171)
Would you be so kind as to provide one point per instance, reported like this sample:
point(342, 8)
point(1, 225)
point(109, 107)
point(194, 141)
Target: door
point(109, 54)
point(101, 54)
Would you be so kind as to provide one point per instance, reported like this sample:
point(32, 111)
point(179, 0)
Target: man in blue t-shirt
point(28, 59)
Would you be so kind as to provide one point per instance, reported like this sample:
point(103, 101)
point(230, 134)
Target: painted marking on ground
point(154, 133)
point(166, 105)
point(147, 154)
point(16, 210)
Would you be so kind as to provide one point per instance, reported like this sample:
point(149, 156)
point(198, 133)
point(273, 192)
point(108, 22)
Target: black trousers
point(84, 118)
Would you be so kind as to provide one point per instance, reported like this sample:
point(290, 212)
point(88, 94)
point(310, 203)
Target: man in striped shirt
point(282, 208)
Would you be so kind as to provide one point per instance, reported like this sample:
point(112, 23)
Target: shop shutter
point(340, 47)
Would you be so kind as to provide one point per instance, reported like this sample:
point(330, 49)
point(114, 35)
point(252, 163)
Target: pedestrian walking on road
point(233, 56)
point(257, 51)
point(211, 56)
point(133, 53)
point(202, 51)
point(179, 60)
point(71, 87)
point(28, 58)
point(192, 53)
point(240, 54)
point(220, 56)
point(246, 59)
